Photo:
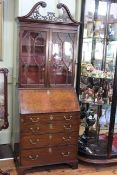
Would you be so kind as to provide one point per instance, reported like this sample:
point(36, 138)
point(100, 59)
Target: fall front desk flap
point(47, 100)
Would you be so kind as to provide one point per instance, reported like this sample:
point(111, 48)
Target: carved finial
point(68, 14)
point(35, 9)
point(35, 15)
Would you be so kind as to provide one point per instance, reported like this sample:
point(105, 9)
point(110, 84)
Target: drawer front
point(50, 155)
point(54, 127)
point(36, 118)
point(37, 141)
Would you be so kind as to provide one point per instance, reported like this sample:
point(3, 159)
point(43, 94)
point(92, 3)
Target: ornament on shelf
point(99, 96)
point(110, 93)
point(88, 94)
point(90, 71)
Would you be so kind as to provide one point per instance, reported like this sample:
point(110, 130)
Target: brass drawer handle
point(67, 117)
point(32, 142)
point(32, 129)
point(33, 157)
point(65, 154)
point(67, 126)
point(34, 120)
point(67, 139)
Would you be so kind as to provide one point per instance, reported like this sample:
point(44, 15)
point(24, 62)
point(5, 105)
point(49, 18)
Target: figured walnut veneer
point(50, 100)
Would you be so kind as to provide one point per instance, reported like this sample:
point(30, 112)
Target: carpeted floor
point(84, 169)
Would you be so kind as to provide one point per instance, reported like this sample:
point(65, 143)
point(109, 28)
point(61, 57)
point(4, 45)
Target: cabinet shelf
point(105, 78)
point(110, 21)
point(100, 38)
point(93, 103)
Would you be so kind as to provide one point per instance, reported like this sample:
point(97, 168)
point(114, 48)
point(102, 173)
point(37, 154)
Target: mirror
point(3, 99)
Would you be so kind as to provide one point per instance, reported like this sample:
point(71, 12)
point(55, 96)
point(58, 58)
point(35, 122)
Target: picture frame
point(3, 99)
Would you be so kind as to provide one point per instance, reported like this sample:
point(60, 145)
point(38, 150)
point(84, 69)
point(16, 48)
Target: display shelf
point(97, 77)
point(91, 102)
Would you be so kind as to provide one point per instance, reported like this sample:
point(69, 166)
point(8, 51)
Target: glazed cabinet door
point(33, 56)
point(62, 57)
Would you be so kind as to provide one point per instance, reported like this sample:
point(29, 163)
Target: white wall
point(26, 5)
point(78, 9)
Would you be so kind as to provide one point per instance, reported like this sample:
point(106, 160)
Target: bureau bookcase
point(48, 105)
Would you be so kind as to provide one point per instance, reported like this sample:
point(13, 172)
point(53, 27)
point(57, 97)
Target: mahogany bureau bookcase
point(48, 104)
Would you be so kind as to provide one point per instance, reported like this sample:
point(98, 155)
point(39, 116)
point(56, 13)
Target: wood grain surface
point(48, 100)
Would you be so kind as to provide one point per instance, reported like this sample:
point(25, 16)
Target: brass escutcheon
point(50, 126)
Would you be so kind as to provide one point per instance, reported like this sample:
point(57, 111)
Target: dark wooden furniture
point(48, 105)
point(48, 48)
point(49, 124)
point(3, 99)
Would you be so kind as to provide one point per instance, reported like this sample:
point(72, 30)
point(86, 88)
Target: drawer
point(50, 155)
point(42, 128)
point(36, 118)
point(46, 140)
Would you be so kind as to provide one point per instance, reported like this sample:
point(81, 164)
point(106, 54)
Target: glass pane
point(88, 18)
point(61, 70)
point(89, 10)
point(33, 58)
point(102, 9)
point(113, 12)
point(111, 55)
point(99, 28)
point(87, 50)
point(113, 22)
point(92, 51)
point(98, 53)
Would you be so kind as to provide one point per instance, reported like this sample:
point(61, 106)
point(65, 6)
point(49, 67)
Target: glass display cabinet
point(98, 81)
